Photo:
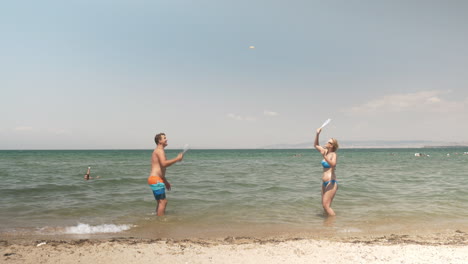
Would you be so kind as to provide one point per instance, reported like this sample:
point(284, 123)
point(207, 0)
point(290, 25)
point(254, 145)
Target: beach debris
point(41, 244)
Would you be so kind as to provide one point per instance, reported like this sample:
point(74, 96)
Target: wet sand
point(448, 247)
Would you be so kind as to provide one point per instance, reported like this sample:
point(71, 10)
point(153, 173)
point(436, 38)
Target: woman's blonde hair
point(335, 144)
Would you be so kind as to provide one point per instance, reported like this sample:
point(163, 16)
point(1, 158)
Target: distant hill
point(375, 144)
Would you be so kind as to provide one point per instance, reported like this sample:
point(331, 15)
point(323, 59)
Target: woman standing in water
point(329, 182)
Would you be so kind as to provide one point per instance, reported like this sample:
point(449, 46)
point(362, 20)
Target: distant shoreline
point(262, 148)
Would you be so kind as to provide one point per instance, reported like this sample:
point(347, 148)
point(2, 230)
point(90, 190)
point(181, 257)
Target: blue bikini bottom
point(325, 184)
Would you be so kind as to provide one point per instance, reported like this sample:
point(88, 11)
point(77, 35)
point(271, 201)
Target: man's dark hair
point(158, 137)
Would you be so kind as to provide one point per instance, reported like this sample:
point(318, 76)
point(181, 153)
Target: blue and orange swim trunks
point(157, 185)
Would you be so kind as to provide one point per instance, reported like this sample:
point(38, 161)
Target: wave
point(88, 229)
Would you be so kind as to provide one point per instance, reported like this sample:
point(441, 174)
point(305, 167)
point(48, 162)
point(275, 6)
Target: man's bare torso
point(156, 169)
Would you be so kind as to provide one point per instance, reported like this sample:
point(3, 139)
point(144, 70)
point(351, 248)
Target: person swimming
point(87, 176)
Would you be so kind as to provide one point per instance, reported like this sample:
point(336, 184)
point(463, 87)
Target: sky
point(110, 74)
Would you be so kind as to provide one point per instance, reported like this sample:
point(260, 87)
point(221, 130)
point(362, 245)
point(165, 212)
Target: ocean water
point(229, 192)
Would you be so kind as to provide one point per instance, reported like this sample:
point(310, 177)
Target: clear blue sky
point(111, 74)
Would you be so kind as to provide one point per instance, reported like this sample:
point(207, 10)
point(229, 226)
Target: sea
point(220, 193)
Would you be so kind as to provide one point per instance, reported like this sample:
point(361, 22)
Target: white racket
point(326, 123)
point(186, 148)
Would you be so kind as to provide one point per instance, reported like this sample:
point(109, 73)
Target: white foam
point(88, 229)
point(350, 230)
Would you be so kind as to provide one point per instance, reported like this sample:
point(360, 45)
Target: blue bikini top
point(325, 164)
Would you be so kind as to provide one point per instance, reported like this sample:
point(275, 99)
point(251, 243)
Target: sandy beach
point(449, 247)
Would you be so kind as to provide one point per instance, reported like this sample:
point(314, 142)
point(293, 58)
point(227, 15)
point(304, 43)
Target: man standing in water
point(157, 179)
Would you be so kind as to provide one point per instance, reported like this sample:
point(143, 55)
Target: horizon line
point(285, 148)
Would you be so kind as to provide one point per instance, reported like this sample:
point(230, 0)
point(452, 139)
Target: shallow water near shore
point(228, 192)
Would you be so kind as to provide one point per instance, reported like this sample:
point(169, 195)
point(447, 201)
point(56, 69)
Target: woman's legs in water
point(328, 193)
